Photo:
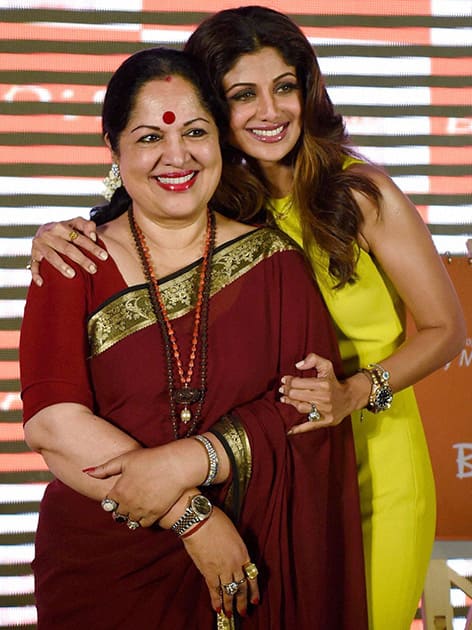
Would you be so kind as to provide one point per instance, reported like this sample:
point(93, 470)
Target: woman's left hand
point(219, 553)
point(324, 391)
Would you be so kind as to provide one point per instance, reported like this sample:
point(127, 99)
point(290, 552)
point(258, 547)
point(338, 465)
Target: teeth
point(268, 132)
point(176, 180)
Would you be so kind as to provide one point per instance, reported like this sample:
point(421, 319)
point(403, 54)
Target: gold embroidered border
point(132, 310)
point(235, 436)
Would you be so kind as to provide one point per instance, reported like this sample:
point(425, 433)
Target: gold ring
point(250, 570)
point(73, 235)
point(31, 261)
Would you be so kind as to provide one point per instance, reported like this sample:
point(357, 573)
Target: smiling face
point(169, 154)
point(265, 102)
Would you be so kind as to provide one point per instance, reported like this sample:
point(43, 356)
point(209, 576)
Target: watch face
point(201, 505)
point(383, 398)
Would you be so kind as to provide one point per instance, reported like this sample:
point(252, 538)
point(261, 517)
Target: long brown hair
point(322, 189)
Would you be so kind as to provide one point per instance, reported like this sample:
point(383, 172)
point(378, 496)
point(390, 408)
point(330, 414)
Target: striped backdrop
point(400, 72)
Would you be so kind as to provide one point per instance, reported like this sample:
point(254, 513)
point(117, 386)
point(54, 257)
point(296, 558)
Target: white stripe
point(16, 585)
point(452, 244)
point(16, 616)
point(357, 95)
point(37, 215)
point(15, 246)
point(51, 185)
point(412, 183)
point(12, 308)
point(18, 523)
point(401, 126)
point(14, 278)
point(450, 215)
point(16, 554)
point(397, 155)
point(368, 66)
point(17, 493)
point(451, 7)
point(451, 36)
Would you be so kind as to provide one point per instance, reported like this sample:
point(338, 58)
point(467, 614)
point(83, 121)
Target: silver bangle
point(213, 461)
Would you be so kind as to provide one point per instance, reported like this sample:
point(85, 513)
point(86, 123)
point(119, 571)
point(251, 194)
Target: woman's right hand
point(219, 553)
point(53, 239)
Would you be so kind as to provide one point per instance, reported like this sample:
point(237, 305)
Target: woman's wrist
point(358, 391)
point(177, 510)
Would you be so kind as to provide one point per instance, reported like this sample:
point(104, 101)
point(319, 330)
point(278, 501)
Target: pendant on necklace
point(185, 415)
point(187, 395)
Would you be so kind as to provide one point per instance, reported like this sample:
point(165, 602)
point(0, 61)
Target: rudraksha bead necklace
point(184, 395)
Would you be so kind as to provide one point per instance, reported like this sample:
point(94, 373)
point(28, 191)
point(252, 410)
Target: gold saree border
point(231, 432)
point(132, 311)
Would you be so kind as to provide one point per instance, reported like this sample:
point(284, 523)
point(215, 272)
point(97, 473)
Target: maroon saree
point(94, 341)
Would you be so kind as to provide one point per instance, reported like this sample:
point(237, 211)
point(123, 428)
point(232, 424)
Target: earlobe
point(106, 139)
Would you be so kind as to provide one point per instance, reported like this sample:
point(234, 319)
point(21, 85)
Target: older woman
point(151, 391)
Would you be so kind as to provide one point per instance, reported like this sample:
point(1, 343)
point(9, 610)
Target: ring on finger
point(232, 587)
point(73, 235)
point(132, 525)
point(119, 518)
point(250, 570)
point(314, 415)
point(30, 262)
point(109, 505)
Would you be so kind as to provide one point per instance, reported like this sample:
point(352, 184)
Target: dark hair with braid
point(120, 99)
point(322, 189)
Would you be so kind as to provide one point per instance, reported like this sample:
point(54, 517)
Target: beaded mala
point(184, 395)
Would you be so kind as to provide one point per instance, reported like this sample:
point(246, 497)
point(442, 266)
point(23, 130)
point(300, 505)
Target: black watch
point(199, 509)
point(381, 394)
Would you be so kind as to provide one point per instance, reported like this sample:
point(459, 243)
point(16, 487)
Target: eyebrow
point(246, 83)
point(157, 128)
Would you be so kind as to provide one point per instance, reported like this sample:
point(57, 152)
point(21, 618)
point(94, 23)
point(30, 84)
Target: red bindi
point(168, 78)
point(168, 117)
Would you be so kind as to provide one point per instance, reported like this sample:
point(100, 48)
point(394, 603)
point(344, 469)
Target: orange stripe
point(21, 31)
point(450, 185)
point(368, 7)
point(45, 123)
point(451, 96)
point(455, 66)
point(9, 369)
point(46, 154)
point(50, 62)
point(9, 338)
point(416, 35)
point(11, 432)
point(451, 155)
point(17, 462)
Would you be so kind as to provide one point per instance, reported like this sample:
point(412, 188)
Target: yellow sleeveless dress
point(394, 469)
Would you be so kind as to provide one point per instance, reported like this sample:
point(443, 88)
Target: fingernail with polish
point(103, 255)
point(255, 601)
point(93, 236)
point(70, 272)
point(89, 469)
point(92, 268)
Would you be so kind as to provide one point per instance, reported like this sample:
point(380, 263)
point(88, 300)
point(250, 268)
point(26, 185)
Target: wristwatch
point(381, 395)
point(199, 509)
